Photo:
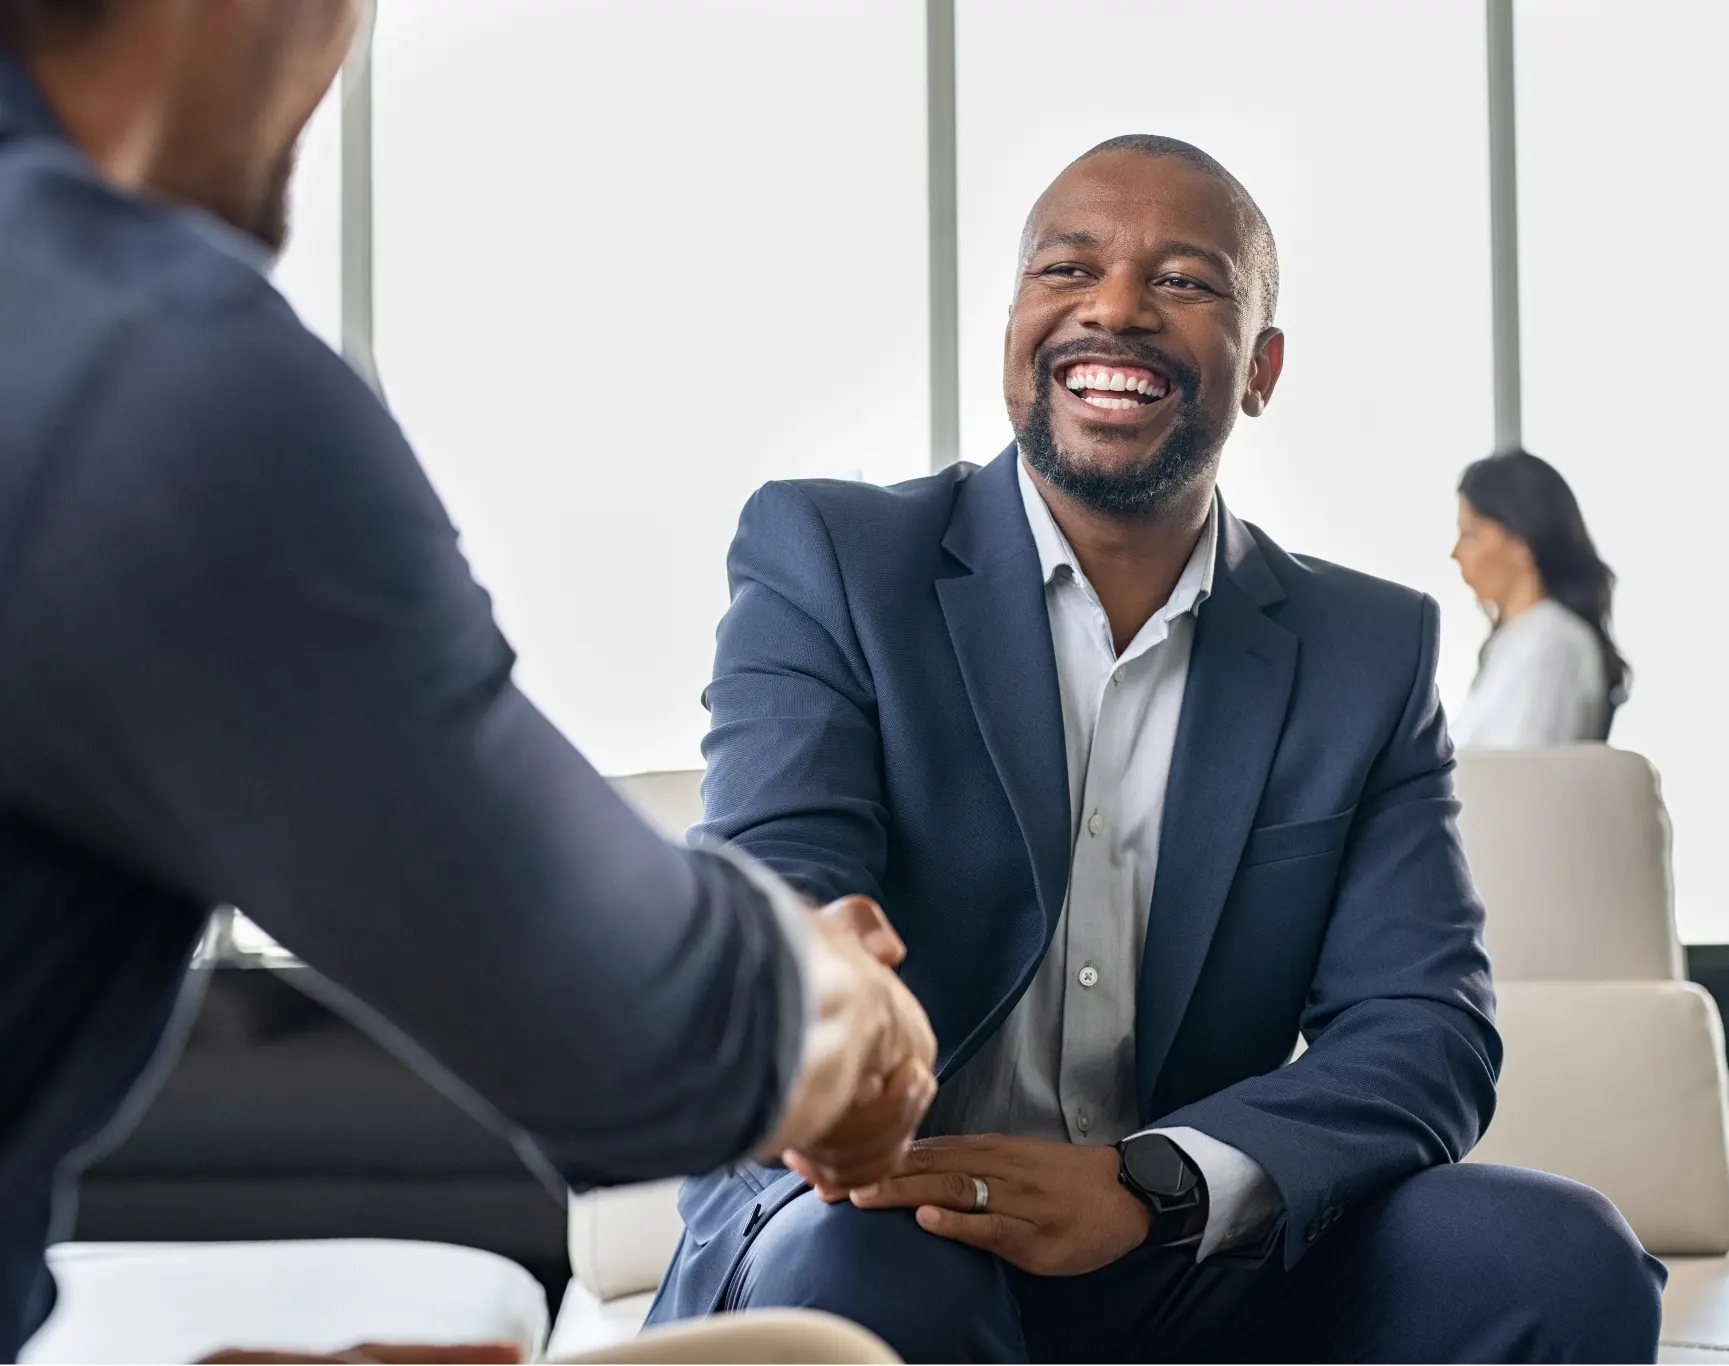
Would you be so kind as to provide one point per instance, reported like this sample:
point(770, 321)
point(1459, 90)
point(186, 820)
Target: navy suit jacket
point(886, 720)
point(242, 660)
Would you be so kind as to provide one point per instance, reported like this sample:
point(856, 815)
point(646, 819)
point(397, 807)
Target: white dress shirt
point(1541, 681)
point(1062, 1066)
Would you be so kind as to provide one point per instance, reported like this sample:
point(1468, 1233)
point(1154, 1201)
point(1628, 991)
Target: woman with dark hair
point(1549, 674)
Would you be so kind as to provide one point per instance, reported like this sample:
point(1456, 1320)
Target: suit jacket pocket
point(1296, 839)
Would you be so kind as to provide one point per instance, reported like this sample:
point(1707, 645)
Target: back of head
point(1532, 501)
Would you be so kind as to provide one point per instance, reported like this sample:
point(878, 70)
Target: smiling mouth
point(1114, 387)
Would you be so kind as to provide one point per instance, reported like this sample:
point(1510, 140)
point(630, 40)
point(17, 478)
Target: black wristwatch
point(1155, 1171)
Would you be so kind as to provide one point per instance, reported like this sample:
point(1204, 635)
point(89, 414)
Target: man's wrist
point(1159, 1174)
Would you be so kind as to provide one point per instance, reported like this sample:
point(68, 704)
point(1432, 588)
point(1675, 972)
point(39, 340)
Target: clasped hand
point(866, 1080)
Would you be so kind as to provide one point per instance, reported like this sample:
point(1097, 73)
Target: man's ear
point(1264, 375)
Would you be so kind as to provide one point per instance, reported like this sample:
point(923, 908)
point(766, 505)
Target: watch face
point(1153, 1163)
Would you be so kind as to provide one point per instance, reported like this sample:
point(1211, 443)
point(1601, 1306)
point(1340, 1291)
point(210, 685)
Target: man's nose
point(1123, 303)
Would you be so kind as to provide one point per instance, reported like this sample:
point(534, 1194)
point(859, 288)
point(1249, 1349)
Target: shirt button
point(1083, 1121)
point(1117, 677)
point(1095, 823)
point(1089, 976)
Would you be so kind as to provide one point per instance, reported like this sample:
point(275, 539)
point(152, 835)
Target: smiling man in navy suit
point(1148, 798)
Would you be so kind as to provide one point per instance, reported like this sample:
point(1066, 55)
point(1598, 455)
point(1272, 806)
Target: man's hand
point(866, 1080)
point(1056, 1209)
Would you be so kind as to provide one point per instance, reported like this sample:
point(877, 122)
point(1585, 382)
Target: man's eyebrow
point(1077, 238)
point(1210, 254)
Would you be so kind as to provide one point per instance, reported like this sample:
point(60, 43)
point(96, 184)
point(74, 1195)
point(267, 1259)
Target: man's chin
point(1113, 456)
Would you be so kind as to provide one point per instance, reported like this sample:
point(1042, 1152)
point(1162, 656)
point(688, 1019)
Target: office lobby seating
point(1614, 1076)
point(1614, 1071)
point(144, 1302)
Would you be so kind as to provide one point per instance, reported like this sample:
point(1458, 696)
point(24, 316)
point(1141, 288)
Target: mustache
point(1183, 377)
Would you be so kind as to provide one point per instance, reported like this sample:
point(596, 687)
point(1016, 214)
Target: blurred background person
point(1550, 672)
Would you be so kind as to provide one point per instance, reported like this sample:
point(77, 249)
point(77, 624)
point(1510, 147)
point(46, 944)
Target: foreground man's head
point(1141, 325)
point(201, 102)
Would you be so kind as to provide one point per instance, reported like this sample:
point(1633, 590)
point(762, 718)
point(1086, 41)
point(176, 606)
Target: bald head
point(1261, 254)
point(1141, 328)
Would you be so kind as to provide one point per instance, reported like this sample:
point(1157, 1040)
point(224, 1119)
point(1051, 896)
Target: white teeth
point(1111, 382)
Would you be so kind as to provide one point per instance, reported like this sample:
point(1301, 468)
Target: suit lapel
point(1240, 676)
point(1001, 635)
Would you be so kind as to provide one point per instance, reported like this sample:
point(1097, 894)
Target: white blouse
point(1541, 682)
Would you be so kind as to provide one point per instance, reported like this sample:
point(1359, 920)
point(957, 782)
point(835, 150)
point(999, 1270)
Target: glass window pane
point(633, 261)
point(1360, 128)
point(1622, 192)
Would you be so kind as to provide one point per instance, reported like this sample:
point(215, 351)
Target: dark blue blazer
point(242, 661)
point(886, 720)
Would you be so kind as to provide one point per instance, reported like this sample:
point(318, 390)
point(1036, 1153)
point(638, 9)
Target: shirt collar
point(1194, 584)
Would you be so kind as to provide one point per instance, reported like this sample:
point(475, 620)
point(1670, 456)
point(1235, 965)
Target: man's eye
point(1066, 271)
point(1183, 282)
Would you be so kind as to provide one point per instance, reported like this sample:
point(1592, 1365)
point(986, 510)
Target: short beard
point(1186, 455)
point(269, 220)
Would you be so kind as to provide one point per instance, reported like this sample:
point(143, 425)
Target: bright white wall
point(1360, 128)
point(1623, 193)
point(632, 261)
point(574, 199)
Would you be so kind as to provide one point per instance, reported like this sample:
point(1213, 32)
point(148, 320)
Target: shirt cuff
point(1242, 1201)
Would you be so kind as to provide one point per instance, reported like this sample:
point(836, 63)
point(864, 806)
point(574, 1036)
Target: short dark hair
point(1263, 251)
point(22, 21)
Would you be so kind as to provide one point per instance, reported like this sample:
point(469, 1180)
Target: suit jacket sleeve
point(247, 660)
point(1403, 1055)
point(794, 758)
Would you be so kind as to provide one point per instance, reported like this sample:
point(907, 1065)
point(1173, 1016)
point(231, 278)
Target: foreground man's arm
point(246, 660)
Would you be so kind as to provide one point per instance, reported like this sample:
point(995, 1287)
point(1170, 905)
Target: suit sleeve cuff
point(790, 914)
point(1242, 1201)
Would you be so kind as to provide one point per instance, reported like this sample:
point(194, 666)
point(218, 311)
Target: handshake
point(865, 1081)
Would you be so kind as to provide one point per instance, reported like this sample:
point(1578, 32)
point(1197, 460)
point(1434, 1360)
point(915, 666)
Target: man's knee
point(929, 1299)
point(1550, 1261)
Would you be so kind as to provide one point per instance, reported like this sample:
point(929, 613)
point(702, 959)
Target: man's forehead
point(1133, 199)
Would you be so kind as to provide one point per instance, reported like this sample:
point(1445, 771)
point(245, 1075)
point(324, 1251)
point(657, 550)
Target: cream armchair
point(1614, 1070)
